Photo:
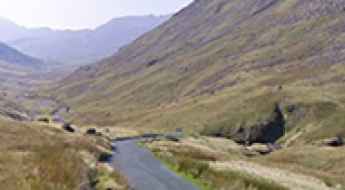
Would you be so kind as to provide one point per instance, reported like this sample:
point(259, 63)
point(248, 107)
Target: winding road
point(144, 171)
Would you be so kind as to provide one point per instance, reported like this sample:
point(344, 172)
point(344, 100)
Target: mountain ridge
point(86, 45)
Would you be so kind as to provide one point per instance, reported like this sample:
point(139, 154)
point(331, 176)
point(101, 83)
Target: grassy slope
point(220, 62)
point(37, 157)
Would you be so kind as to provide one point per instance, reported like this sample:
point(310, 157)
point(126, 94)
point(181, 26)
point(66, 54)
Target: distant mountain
point(14, 57)
point(10, 31)
point(81, 45)
point(17, 68)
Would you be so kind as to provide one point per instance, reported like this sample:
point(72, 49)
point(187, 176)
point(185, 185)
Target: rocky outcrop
point(268, 131)
point(264, 132)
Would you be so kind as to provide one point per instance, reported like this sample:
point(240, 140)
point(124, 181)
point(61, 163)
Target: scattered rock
point(333, 142)
point(260, 148)
point(91, 131)
point(44, 120)
point(68, 127)
point(152, 63)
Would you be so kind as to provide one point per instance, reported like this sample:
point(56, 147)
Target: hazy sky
point(76, 14)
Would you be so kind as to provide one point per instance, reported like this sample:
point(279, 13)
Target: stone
point(44, 120)
point(68, 127)
point(260, 148)
point(333, 142)
point(91, 131)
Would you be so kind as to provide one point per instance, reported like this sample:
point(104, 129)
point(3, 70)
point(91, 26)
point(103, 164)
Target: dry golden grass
point(41, 158)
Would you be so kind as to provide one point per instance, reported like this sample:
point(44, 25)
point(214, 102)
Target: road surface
point(144, 171)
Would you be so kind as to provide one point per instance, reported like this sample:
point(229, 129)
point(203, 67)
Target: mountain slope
point(13, 56)
point(18, 69)
point(81, 45)
point(227, 68)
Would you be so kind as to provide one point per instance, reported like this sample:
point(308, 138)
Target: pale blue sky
point(77, 14)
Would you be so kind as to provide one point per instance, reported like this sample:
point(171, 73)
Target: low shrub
point(196, 169)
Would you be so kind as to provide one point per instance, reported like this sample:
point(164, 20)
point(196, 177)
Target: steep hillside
point(226, 68)
point(81, 45)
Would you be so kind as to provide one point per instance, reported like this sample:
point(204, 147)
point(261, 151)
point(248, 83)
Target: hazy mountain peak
point(78, 45)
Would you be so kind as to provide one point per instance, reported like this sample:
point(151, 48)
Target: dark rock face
point(266, 132)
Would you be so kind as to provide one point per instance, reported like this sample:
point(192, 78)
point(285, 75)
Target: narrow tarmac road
point(144, 171)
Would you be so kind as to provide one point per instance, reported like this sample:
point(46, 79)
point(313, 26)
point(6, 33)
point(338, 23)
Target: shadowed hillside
point(225, 68)
point(14, 57)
